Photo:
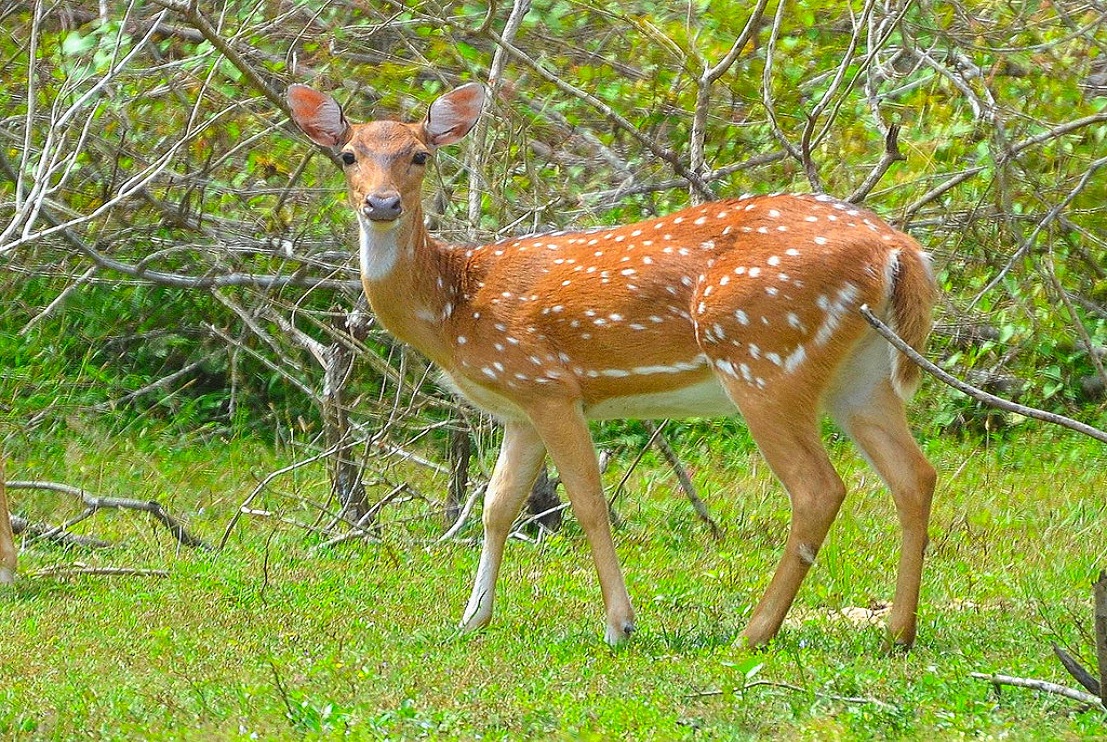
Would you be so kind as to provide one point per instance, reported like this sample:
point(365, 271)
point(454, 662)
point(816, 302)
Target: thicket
point(171, 248)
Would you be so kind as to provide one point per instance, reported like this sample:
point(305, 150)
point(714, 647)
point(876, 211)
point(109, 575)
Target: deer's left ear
point(454, 114)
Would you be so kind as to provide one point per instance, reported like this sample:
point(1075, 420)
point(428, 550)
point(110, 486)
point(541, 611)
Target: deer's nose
point(383, 206)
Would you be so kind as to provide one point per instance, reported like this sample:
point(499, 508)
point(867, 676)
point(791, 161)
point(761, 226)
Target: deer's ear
point(454, 114)
point(318, 115)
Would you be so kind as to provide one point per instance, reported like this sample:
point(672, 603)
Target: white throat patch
point(378, 250)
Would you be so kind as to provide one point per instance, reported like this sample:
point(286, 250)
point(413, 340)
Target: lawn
point(277, 637)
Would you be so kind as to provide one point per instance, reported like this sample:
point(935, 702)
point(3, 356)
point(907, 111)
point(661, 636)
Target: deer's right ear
point(318, 115)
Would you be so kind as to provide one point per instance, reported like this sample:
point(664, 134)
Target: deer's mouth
point(378, 220)
point(381, 215)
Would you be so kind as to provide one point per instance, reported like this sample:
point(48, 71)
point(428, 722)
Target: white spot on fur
point(795, 359)
point(835, 311)
point(806, 553)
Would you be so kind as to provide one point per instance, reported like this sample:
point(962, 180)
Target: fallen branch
point(1039, 685)
point(799, 689)
point(21, 525)
point(81, 569)
point(94, 503)
point(978, 394)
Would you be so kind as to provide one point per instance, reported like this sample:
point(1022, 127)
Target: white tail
point(747, 304)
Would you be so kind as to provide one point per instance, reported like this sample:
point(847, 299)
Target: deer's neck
point(412, 283)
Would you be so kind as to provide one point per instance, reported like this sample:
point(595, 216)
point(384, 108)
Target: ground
point(278, 638)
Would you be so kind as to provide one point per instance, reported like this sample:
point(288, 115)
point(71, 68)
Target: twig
point(977, 394)
point(464, 515)
point(244, 508)
point(1077, 323)
point(617, 119)
point(359, 530)
point(154, 386)
point(1040, 685)
point(477, 154)
point(80, 569)
point(54, 534)
point(799, 689)
point(94, 503)
point(537, 518)
point(59, 300)
point(709, 76)
point(891, 155)
point(634, 464)
point(685, 481)
point(1028, 244)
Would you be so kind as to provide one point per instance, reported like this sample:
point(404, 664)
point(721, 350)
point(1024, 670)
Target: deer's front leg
point(7, 542)
point(517, 467)
point(565, 433)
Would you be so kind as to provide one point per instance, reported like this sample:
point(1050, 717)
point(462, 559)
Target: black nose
point(383, 207)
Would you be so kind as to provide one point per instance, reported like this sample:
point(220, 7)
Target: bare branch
point(82, 570)
point(978, 394)
point(891, 155)
point(1039, 685)
point(95, 502)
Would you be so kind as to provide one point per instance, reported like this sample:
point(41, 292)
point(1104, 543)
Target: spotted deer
point(743, 305)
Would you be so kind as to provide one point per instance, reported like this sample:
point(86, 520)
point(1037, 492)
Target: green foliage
point(974, 87)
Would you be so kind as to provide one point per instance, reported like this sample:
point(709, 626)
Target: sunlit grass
point(278, 637)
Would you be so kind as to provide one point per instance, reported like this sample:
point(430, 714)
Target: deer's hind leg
point(872, 415)
point(786, 430)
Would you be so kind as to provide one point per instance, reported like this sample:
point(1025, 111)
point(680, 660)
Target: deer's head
point(385, 161)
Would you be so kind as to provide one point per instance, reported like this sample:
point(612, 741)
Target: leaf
point(75, 43)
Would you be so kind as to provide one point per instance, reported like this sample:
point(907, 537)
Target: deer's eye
point(419, 158)
point(348, 158)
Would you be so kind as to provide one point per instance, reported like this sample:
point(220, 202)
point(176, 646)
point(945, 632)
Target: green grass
point(278, 638)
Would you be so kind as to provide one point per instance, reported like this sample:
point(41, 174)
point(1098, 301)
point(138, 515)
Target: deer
point(747, 305)
point(8, 553)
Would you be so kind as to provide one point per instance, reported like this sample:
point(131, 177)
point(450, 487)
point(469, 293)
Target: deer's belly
point(702, 399)
point(482, 397)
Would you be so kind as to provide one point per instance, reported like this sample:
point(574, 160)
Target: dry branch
point(1077, 670)
point(80, 569)
point(685, 481)
point(94, 503)
point(53, 534)
point(798, 689)
point(1040, 685)
point(978, 394)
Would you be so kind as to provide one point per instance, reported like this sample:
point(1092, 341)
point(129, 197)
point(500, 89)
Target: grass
point(278, 639)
